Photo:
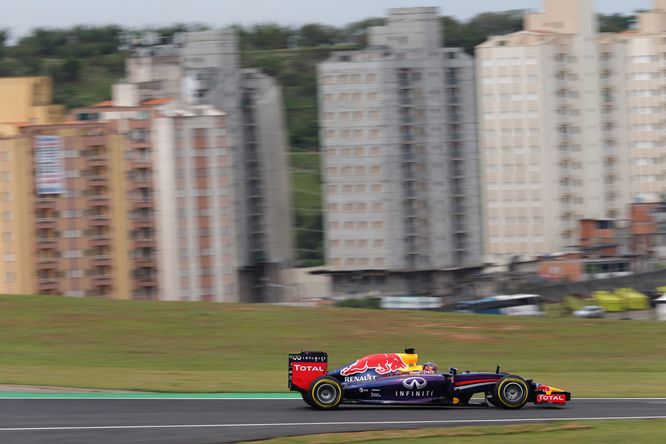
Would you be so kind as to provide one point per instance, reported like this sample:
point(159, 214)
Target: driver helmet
point(430, 367)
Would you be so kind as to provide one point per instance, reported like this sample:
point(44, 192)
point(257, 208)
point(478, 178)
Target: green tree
point(314, 34)
point(72, 70)
point(357, 32)
point(4, 36)
point(616, 22)
point(266, 36)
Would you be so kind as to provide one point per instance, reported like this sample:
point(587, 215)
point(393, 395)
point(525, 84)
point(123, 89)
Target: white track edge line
point(307, 424)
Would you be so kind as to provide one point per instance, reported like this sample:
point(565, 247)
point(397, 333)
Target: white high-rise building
point(398, 131)
point(635, 66)
point(204, 68)
point(552, 131)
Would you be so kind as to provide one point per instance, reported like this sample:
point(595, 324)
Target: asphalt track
point(211, 421)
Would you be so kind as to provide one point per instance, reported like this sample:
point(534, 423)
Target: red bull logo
point(380, 363)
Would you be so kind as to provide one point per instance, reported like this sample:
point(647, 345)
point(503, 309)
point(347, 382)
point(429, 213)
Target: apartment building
point(26, 100)
point(400, 159)
point(552, 137)
point(635, 62)
point(63, 211)
point(126, 199)
point(204, 68)
point(180, 193)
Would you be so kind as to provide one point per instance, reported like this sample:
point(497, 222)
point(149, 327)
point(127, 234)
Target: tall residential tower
point(551, 140)
point(400, 159)
point(204, 68)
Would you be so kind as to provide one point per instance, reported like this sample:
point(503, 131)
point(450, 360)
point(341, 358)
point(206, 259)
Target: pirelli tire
point(325, 393)
point(510, 392)
point(306, 398)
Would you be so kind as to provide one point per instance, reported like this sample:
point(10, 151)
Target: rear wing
point(305, 367)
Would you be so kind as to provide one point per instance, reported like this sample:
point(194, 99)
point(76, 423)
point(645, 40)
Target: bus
point(514, 304)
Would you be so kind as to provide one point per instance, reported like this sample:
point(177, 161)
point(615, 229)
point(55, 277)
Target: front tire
point(510, 392)
point(325, 393)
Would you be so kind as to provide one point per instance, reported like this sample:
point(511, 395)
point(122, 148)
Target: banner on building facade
point(49, 165)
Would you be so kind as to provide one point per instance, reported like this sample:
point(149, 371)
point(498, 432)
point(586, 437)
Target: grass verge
point(205, 347)
point(640, 431)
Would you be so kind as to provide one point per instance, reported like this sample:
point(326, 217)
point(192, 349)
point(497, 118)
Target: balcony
point(99, 220)
point(45, 204)
point(144, 261)
point(140, 182)
point(143, 203)
point(47, 263)
point(99, 201)
point(100, 241)
point(146, 281)
point(144, 243)
point(102, 280)
point(101, 261)
point(46, 223)
point(96, 162)
point(47, 244)
point(143, 222)
point(96, 181)
point(140, 162)
point(94, 141)
point(47, 284)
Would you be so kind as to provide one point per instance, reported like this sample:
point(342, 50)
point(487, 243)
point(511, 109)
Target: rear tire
point(307, 399)
point(325, 393)
point(510, 392)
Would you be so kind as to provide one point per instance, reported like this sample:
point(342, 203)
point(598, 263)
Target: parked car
point(590, 311)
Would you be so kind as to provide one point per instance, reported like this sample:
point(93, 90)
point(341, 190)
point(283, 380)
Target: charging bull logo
point(381, 364)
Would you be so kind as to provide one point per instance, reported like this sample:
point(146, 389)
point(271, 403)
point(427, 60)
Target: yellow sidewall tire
point(498, 396)
point(319, 382)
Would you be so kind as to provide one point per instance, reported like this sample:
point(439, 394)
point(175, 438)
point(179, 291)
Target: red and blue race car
point(396, 378)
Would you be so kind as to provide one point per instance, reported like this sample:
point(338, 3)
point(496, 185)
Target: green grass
point(306, 195)
point(204, 347)
point(602, 432)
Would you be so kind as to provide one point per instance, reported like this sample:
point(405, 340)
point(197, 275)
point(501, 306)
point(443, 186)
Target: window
point(69, 254)
point(74, 273)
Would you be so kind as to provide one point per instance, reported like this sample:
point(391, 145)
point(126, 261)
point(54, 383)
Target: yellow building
point(63, 211)
point(27, 100)
point(63, 206)
point(16, 242)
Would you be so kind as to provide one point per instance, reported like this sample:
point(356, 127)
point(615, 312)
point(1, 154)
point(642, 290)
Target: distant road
point(214, 421)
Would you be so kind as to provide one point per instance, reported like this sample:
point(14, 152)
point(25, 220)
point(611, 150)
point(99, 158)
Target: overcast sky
point(20, 16)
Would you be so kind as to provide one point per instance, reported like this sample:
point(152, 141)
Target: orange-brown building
point(609, 248)
point(565, 267)
point(130, 201)
point(60, 235)
point(598, 237)
point(648, 227)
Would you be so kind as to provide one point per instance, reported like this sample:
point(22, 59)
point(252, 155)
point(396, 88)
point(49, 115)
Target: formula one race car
point(395, 378)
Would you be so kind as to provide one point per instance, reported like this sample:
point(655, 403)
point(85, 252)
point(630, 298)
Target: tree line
point(94, 42)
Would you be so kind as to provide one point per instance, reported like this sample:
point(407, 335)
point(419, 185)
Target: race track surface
point(213, 421)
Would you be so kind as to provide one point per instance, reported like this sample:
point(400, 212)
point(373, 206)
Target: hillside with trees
point(85, 61)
